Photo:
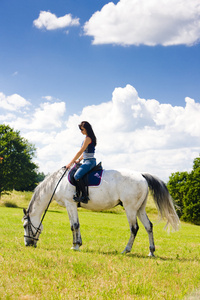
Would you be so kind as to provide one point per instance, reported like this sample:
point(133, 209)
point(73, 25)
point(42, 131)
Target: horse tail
point(163, 200)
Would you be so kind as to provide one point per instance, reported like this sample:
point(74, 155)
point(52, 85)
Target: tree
point(40, 176)
point(177, 187)
point(196, 163)
point(191, 210)
point(17, 171)
point(185, 190)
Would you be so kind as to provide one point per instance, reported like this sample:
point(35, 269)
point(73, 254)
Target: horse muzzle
point(29, 242)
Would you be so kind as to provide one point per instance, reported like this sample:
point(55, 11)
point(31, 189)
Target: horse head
point(31, 232)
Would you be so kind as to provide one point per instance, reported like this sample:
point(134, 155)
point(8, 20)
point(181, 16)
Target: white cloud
point(49, 21)
point(148, 22)
point(135, 133)
point(48, 116)
point(40, 137)
point(7, 117)
point(13, 103)
point(48, 98)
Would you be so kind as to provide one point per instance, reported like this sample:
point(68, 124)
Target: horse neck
point(42, 196)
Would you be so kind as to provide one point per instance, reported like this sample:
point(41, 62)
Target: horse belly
point(101, 199)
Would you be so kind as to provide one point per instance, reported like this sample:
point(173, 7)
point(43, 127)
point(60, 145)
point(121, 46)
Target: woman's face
point(83, 130)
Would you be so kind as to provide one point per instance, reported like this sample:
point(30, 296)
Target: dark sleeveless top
point(89, 151)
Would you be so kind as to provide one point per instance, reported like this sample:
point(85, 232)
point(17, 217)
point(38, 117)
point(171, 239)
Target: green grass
point(99, 271)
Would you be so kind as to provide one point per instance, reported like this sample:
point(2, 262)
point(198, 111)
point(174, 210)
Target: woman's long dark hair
point(89, 130)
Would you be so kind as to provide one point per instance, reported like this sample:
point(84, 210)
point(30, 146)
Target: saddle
point(92, 178)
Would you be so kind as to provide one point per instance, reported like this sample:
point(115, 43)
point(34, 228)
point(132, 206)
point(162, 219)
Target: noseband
point(31, 234)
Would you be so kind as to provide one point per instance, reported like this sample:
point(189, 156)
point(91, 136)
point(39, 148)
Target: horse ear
point(24, 210)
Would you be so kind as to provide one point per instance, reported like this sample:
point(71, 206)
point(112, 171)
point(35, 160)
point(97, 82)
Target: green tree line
point(185, 190)
point(17, 170)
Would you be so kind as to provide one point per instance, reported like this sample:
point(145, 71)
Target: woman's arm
point(79, 154)
point(79, 160)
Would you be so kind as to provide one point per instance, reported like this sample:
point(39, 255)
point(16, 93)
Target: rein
point(30, 224)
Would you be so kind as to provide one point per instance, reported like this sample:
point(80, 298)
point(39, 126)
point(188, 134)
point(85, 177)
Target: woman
point(86, 153)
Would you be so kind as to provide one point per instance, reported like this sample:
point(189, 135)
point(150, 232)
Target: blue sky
point(81, 65)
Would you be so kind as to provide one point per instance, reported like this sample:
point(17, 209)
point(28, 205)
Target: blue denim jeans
point(87, 165)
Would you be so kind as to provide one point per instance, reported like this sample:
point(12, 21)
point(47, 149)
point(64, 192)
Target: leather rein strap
point(30, 225)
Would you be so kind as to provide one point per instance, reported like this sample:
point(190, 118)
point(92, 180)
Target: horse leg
point(132, 219)
point(75, 225)
point(149, 229)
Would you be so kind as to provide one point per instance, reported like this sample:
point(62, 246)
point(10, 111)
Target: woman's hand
point(74, 162)
point(68, 166)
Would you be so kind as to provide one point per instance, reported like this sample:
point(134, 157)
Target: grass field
point(99, 271)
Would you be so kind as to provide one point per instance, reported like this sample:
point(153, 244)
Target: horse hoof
point(75, 248)
point(151, 254)
point(125, 251)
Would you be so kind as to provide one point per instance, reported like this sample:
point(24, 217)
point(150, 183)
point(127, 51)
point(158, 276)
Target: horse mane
point(43, 187)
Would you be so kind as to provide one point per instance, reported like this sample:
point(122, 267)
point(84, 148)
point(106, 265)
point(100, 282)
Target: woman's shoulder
point(88, 140)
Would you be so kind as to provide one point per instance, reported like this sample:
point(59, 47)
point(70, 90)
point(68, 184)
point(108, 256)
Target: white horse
point(127, 188)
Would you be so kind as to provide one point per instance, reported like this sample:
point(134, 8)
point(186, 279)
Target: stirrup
point(76, 197)
point(81, 199)
point(84, 199)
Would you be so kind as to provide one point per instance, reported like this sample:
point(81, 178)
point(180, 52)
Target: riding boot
point(83, 196)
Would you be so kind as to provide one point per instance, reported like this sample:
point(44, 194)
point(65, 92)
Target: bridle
point(30, 225)
point(31, 234)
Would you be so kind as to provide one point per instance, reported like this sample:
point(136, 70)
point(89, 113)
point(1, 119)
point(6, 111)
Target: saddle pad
point(93, 178)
